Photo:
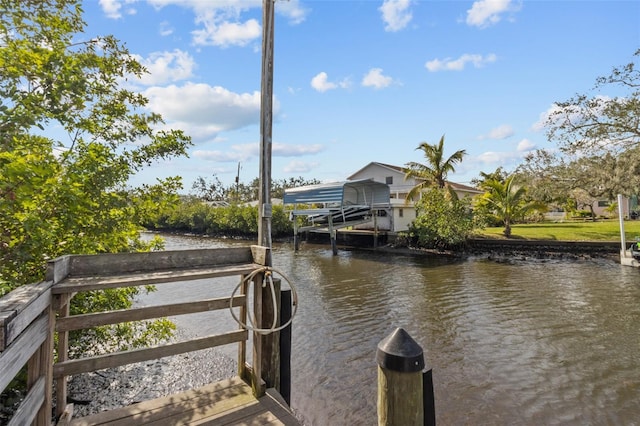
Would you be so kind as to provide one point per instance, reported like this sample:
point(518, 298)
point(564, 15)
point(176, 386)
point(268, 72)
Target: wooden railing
point(30, 315)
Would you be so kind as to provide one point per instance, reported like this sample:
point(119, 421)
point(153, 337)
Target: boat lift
point(332, 206)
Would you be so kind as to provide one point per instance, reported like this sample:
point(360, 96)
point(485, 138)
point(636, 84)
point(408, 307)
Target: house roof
point(388, 166)
point(398, 169)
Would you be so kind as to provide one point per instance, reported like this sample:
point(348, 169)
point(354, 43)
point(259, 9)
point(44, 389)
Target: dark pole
point(266, 106)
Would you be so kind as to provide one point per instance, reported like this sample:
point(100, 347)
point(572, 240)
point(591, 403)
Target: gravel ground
point(118, 387)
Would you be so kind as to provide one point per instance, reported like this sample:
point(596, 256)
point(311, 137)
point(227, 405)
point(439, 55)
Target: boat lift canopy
point(364, 192)
point(331, 206)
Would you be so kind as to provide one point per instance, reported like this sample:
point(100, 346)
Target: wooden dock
point(229, 402)
point(35, 316)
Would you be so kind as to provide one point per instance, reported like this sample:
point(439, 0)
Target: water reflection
point(517, 344)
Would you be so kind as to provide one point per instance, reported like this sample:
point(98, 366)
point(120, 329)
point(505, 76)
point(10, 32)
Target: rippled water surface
point(509, 344)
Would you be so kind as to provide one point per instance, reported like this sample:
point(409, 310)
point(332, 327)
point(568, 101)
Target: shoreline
point(117, 387)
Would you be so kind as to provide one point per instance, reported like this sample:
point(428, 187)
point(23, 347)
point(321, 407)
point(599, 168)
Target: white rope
point(268, 275)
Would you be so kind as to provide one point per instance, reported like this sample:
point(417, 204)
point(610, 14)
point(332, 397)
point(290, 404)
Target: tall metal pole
point(266, 107)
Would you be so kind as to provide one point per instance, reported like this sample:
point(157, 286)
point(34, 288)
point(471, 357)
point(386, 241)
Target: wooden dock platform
point(34, 318)
point(229, 402)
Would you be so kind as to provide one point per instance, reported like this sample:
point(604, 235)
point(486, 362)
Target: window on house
point(400, 213)
point(603, 204)
point(389, 180)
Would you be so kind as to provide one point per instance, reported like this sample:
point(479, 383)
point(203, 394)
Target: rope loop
point(268, 272)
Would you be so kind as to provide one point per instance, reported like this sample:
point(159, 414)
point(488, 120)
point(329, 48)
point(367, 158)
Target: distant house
point(402, 213)
point(629, 207)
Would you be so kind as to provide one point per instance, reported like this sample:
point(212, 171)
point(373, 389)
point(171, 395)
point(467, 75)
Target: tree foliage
point(607, 118)
point(577, 182)
point(193, 216)
point(239, 192)
point(442, 221)
point(506, 202)
point(434, 172)
point(71, 137)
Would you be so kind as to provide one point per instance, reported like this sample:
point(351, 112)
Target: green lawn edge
point(600, 230)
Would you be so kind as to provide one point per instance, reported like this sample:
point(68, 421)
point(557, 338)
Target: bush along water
point(234, 221)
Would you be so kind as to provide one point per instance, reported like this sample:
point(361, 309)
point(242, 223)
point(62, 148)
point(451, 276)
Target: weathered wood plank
point(76, 284)
point(27, 313)
point(78, 322)
point(229, 402)
point(77, 366)
point(242, 347)
point(64, 301)
point(66, 416)
point(28, 409)
point(260, 254)
point(119, 263)
point(214, 394)
point(22, 348)
point(206, 405)
point(274, 402)
point(58, 269)
point(45, 368)
point(13, 318)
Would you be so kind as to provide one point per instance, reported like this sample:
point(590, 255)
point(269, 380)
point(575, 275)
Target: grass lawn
point(601, 230)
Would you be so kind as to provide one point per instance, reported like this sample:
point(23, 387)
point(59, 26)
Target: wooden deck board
point(229, 402)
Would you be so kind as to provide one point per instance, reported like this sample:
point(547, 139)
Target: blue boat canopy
point(364, 192)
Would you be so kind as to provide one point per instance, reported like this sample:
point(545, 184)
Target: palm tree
point(434, 172)
point(506, 201)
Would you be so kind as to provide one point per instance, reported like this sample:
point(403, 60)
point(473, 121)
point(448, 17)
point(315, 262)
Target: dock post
point(400, 382)
point(296, 237)
point(333, 235)
point(271, 342)
point(285, 346)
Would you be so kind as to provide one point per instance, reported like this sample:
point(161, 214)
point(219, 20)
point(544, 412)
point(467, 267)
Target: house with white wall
point(402, 213)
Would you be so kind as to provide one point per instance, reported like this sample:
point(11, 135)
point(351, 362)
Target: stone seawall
point(494, 248)
point(542, 249)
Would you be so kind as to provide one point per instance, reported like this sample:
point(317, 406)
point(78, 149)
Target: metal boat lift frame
point(333, 206)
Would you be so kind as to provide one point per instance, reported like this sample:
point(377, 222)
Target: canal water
point(510, 343)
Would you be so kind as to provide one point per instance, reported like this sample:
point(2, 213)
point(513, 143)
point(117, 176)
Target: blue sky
point(357, 81)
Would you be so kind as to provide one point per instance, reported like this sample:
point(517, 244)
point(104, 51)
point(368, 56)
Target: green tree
point(506, 202)
point(280, 185)
point(605, 118)
point(71, 137)
point(442, 221)
point(209, 190)
point(434, 172)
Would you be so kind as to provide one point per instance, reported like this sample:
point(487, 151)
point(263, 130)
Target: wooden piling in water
point(400, 382)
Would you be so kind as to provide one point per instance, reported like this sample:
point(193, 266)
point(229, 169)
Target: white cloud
point(396, 14)
point(292, 10)
point(165, 29)
point(111, 8)
point(449, 64)
point(374, 78)
point(484, 13)
point(284, 150)
point(504, 158)
point(203, 111)
point(300, 166)
point(501, 132)
point(498, 158)
point(165, 67)
point(226, 33)
point(245, 152)
point(222, 23)
point(234, 154)
point(525, 145)
point(321, 83)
